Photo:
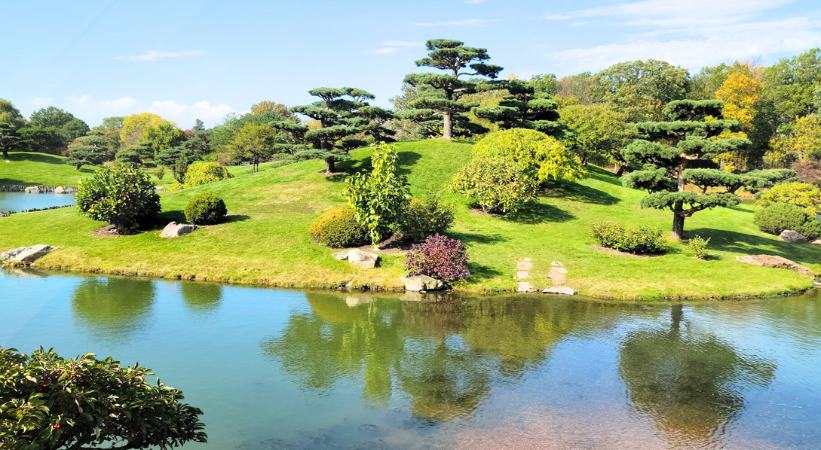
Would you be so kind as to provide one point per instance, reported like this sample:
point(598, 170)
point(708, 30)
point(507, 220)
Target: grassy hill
point(266, 241)
point(39, 169)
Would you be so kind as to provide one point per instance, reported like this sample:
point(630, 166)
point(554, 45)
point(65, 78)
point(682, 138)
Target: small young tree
point(444, 90)
point(659, 160)
point(90, 150)
point(254, 143)
point(597, 132)
point(121, 195)
point(379, 198)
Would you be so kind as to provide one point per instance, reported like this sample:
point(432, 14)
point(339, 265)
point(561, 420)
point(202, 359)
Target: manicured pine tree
point(522, 107)
point(442, 91)
point(9, 138)
point(661, 160)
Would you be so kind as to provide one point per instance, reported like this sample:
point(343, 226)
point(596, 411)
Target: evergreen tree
point(522, 107)
point(442, 91)
point(660, 160)
point(88, 150)
point(9, 138)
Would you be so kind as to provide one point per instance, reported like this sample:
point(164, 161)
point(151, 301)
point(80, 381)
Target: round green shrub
point(803, 195)
point(205, 209)
point(642, 240)
point(778, 217)
point(339, 228)
point(495, 184)
point(204, 172)
point(121, 195)
point(423, 218)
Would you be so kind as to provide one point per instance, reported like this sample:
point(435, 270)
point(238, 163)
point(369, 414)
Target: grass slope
point(266, 242)
point(25, 168)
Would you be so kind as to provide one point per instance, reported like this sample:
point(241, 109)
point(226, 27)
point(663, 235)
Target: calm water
point(20, 201)
point(275, 369)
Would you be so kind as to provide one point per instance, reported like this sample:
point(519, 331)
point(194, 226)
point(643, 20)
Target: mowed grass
point(28, 168)
point(265, 240)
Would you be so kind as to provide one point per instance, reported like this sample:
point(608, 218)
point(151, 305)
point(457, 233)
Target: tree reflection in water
point(201, 297)
point(689, 383)
point(113, 307)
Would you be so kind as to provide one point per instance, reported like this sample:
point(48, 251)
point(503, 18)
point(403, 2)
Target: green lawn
point(25, 168)
point(265, 241)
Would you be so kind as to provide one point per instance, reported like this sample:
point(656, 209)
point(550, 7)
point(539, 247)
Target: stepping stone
point(559, 290)
point(524, 288)
point(557, 274)
point(523, 275)
point(524, 265)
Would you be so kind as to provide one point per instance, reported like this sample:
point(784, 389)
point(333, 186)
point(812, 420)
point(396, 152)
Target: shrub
point(120, 195)
point(204, 172)
point(803, 195)
point(339, 228)
point(205, 209)
point(424, 218)
point(544, 156)
point(778, 217)
point(698, 246)
point(83, 402)
point(640, 240)
point(379, 199)
point(495, 184)
point(439, 257)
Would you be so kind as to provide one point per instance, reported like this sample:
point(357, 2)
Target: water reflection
point(691, 384)
point(201, 297)
point(113, 307)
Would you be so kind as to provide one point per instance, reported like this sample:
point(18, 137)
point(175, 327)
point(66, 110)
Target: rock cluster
point(25, 255)
point(174, 229)
point(357, 257)
point(792, 236)
point(422, 283)
point(775, 261)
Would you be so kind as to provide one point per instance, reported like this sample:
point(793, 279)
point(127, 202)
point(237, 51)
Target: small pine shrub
point(424, 218)
point(205, 209)
point(439, 257)
point(496, 184)
point(204, 172)
point(778, 217)
point(642, 240)
point(698, 246)
point(339, 228)
point(121, 195)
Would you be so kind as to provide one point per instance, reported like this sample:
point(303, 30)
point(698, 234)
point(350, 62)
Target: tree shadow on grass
point(535, 213)
point(480, 272)
point(748, 244)
point(478, 238)
point(407, 159)
point(581, 193)
point(600, 174)
point(236, 218)
point(164, 217)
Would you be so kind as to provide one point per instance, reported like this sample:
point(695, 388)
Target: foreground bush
point(339, 228)
point(201, 172)
point(778, 217)
point(205, 209)
point(424, 218)
point(641, 240)
point(803, 195)
point(541, 155)
point(495, 184)
point(48, 402)
point(439, 257)
point(698, 246)
point(121, 195)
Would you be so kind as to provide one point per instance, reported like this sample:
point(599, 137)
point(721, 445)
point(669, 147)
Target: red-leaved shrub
point(439, 257)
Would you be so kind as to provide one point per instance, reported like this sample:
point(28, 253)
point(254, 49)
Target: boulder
point(775, 261)
point(559, 290)
point(174, 229)
point(357, 257)
point(792, 236)
point(32, 190)
point(60, 190)
point(817, 242)
point(25, 255)
point(422, 283)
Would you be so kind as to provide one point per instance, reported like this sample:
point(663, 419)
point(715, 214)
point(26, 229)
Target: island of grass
point(265, 239)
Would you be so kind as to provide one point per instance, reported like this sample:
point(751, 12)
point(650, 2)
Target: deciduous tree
point(641, 88)
point(598, 132)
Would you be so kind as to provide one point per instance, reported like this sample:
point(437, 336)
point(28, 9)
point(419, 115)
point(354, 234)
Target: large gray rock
point(357, 257)
point(174, 229)
point(32, 190)
point(422, 283)
point(25, 255)
point(775, 261)
point(62, 190)
point(792, 236)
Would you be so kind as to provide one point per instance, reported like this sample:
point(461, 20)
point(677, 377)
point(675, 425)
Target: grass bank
point(265, 240)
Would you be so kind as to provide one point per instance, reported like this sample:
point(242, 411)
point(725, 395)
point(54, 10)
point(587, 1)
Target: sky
point(206, 59)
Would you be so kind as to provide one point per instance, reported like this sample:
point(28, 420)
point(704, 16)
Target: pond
point(20, 201)
point(291, 369)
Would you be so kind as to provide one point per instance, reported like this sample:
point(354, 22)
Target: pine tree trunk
point(619, 170)
point(331, 165)
point(447, 132)
point(678, 221)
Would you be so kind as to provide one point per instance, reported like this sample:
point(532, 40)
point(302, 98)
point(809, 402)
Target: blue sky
point(187, 59)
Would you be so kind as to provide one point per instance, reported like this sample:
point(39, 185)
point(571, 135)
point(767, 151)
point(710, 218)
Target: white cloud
point(93, 110)
point(474, 2)
point(692, 34)
point(156, 55)
point(451, 23)
point(391, 47)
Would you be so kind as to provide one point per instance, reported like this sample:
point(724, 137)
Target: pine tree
point(522, 107)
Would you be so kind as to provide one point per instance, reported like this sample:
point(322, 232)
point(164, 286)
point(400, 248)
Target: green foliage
point(543, 157)
point(424, 218)
point(205, 209)
point(9, 138)
point(521, 107)
point(253, 143)
point(598, 132)
point(338, 228)
point(381, 197)
point(90, 150)
point(641, 88)
point(640, 240)
point(778, 217)
point(121, 195)
point(803, 195)
point(800, 142)
point(48, 402)
point(698, 247)
point(790, 85)
point(51, 129)
point(201, 172)
point(495, 184)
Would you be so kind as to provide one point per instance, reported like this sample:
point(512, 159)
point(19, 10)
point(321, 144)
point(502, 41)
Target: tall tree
point(254, 143)
point(445, 89)
point(578, 89)
point(741, 93)
point(642, 88)
point(705, 83)
point(522, 107)
point(10, 115)
point(659, 160)
point(51, 129)
point(597, 132)
point(9, 138)
point(791, 85)
point(90, 150)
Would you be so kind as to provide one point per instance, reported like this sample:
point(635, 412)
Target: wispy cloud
point(474, 2)
point(452, 23)
point(183, 114)
point(156, 55)
point(391, 47)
